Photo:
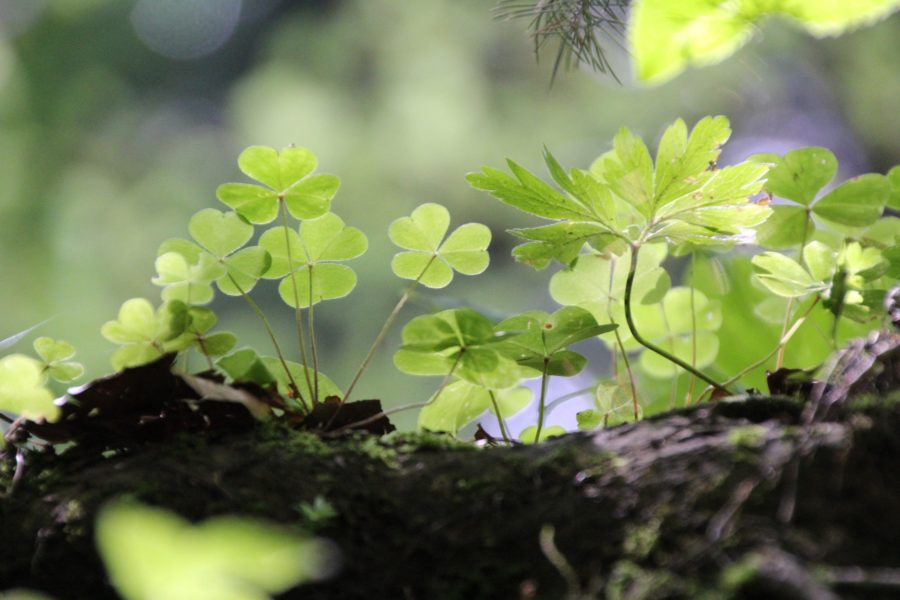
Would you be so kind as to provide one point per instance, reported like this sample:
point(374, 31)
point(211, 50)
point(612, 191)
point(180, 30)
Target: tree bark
point(732, 500)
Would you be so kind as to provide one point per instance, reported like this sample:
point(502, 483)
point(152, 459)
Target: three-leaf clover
point(306, 262)
point(56, 359)
point(461, 342)
point(286, 176)
point(218, 255)
point(798, 177)
point(430, 259)
point(144, 333)
point(540, 340)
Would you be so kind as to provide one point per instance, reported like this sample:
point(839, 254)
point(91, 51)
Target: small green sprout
point(56, 360)
point(23, 390)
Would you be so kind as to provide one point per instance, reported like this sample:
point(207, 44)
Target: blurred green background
point(119, 118)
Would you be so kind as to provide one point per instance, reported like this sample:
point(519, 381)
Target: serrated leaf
point(561, 242)
point(679, 160)
point(526, 193)
point(855, 203)
point(218, 232)
point(462, 402)
point(629, 173)
point(22, 390)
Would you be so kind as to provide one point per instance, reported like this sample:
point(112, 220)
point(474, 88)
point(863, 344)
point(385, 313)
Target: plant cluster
point(612, 227)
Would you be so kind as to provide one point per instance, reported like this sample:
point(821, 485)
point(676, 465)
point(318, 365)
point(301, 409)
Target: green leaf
point(785, 228)
point(679, 160)
point(588, 419)
point(629, 172)
point(219, 343)
point(55, 355)
point(667, 37)
point(614, 404)
point(303, 377)
point(855, 203)
point(218, 232)
point(189, 250)
point(431, 259)
point(278, 170)
point(784, 276)
point(254, 203)
point(285, 248)
point(820, 260)
point(152, 553)
point(458, 338)
point(243, 270)
point(799, 174)
point(313, 284)
point(286, 175)
point(527, 193)
point(893, 178)
point(327, 238)
point(462, 402)
point(138, 323)
point(529, 433)
point(188, 283)
point(22, 389)
point(246, 365)
point(561, 242)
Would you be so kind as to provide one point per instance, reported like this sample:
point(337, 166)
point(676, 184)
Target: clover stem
point(312, 339)
point(268, 327)
point(298, 318)
point(781, 343)
point(541, 406)
point(499, 416)
point(629, 284)
point(784, 327)
point(385, 328)
point(385, 413)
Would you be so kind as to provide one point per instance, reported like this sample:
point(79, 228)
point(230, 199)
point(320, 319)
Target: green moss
point(739, 573)
point(629, 581)
point(640, 539)
point(750, 437)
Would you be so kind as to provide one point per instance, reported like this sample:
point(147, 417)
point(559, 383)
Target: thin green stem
point(271, 333)
point(629, 284)
point(779, 360)
point(781, 343)
point(621, 348)
point(298, 318)
point(310, 322)
point(499, 416)
point(384, 329)
point(541, 406)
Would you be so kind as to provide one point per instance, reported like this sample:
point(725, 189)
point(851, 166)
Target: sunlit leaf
point(218, 232)
point(529, 433)
point(462, 402)
point(786, 228)
point(855, 203)
point(430, 259)
point(55, 355)
point(784, 276)
point(800, 174)
point(22, 389)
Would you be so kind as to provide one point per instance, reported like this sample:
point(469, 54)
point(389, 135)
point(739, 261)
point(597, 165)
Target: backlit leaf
point(22, 390)
point(799, 174)
point(462, 402)
point(855, 203)
point(784, 276)
point(218, 232)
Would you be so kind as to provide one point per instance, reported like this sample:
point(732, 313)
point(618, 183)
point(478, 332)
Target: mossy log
point(732, 500)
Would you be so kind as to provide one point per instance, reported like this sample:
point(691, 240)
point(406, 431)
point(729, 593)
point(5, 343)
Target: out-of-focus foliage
point(108, 145)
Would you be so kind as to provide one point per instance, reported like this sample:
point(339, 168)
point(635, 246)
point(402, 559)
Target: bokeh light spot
point(185, 29)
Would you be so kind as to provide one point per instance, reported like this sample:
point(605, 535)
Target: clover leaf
point(798, 177)
point(462, 402)
point(193, 323)
point(286, 176)
point(144, 333)
point(218, 255)
point(152, 553)
point(543, 339)
point(458, 341)
point(431, 259)
point(673, 325)
point(55, 356)
point(529, 434)
point(312, 254)
point(22, 388)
